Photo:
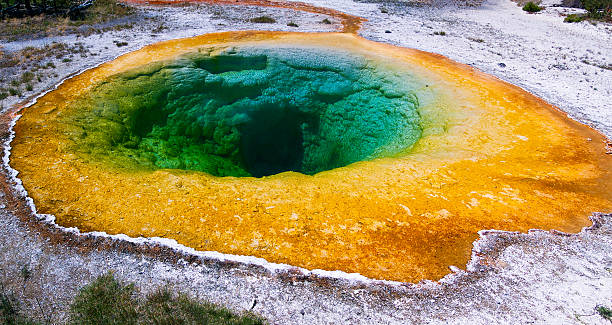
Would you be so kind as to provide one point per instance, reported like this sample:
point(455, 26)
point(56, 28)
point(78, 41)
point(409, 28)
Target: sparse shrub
point(326, 21)
point(531, 7)
point(29, 87)
point(573, 18)
point(604, 312)
point(263, 20)
point(27, 77)
point(442, 33)
point(7, 60)
point(292, 24)
point(598, 9)
point(159, 28)
point(14, 92)
point(10, 310)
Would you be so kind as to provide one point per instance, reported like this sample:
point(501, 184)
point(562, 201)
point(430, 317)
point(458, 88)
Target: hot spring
point(323, 151)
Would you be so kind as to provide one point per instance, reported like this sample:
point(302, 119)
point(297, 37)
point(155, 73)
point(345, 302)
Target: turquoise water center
point(249, 111)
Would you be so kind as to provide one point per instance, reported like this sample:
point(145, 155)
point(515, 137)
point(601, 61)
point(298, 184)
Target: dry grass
point(21, 70)
point(32, 56)
point(45, 25)
point(108, 301)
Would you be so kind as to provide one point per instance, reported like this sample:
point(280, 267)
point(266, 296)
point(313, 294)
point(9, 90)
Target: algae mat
point(324, 151)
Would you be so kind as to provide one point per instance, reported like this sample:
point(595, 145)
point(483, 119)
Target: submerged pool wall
point(248, 112)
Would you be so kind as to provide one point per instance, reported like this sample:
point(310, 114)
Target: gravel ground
point(568, 65)
point(539, 277)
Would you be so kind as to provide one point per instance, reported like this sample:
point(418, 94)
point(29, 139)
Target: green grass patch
point(14, 92)
point(163, 307)
point(604, 312)
point(105, 301)
point(598, 9)
point(263, 20)
point(108, 301)
point(27, 77)
point(10, 310)
point(573, 18)
point(531, 7)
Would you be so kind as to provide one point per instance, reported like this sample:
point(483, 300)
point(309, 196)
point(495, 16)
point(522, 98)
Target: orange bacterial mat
point(490, 156)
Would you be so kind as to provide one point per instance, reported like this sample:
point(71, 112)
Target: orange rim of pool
point(317, 150)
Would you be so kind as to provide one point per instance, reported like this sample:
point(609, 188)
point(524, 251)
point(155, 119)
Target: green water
point(248, 112)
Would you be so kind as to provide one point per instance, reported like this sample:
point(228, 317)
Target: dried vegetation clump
point(23, 69)
point(56, 22)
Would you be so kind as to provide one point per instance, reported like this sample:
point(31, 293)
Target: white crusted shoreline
point(539, 277)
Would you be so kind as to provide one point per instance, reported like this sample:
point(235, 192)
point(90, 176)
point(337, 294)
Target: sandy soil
point(540, 277)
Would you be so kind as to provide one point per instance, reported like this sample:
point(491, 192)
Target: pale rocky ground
point(539, 278)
